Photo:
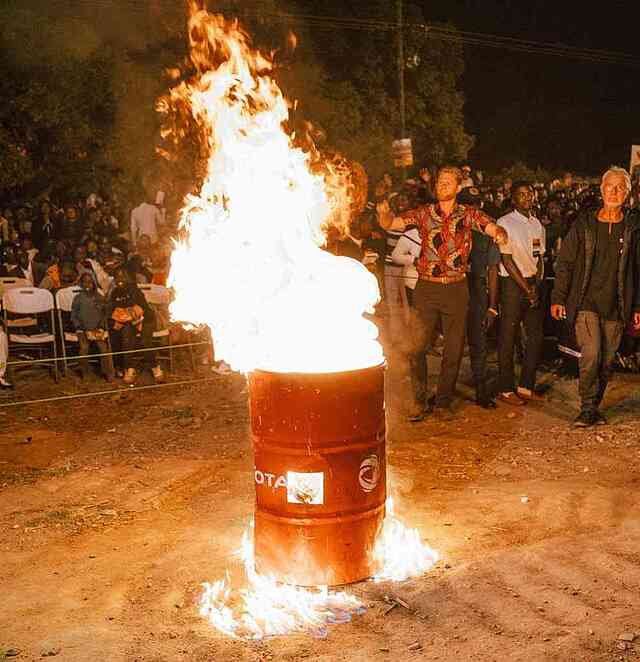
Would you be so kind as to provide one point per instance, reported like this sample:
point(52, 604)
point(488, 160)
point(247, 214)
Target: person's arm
point(133, 227)
point(514, 272)
point(403, 253)
point(75, 315)
point(384, 214)
point(636, 286)
point(486, 225)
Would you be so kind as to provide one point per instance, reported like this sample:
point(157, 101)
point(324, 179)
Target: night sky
point(555, 112)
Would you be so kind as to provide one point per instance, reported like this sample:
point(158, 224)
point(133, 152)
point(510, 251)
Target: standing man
point(145, 219)
point(597, 287)
point(441, 295)
point(482, 279)
point(521, 274)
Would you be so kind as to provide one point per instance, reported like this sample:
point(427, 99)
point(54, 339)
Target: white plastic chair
point(31, 301)
point(158, 296)
point(64, 301)
point(8, 283)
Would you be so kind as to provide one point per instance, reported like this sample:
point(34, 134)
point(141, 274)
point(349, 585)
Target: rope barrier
point(114, 391)
point(127, 351)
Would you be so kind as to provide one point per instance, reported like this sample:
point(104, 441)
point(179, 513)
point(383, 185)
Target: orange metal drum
point(320, 473)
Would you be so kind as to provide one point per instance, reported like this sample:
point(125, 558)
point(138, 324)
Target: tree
point(57, 107)
point(354, 97)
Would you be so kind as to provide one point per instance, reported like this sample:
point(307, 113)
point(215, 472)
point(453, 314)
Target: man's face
point(120, 278)
point(555, 211)
point(71, 214)
point(87, 283)
point(67, 275)
point(446, 187)
point(614, 189)
point(523, 198)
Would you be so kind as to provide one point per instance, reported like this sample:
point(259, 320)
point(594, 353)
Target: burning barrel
point(320, 474)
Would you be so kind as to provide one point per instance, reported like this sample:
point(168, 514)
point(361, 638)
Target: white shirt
point(145, 219)
point(526, 242)
point(406, 250)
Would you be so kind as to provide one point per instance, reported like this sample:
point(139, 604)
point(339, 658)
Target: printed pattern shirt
point(446, 239)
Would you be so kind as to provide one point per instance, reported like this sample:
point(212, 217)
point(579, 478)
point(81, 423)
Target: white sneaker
point(129, 375)
point(158, 375)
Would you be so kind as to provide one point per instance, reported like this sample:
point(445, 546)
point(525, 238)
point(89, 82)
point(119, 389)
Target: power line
point(452, 35)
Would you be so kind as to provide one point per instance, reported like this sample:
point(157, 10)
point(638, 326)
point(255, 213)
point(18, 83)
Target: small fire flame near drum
point(250, 265)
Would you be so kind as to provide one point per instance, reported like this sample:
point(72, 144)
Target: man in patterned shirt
point(441, 294)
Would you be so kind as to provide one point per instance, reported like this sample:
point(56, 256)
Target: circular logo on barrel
point(369, 474)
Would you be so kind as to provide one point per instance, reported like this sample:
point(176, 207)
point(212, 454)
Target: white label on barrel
point(305, 488)
point(369, 474)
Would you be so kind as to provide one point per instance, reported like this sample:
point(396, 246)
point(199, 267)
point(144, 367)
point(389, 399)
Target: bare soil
point(114, 510)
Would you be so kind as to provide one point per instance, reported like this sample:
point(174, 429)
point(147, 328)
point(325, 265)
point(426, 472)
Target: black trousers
point(476, 331)
point(446, 304)
point(514, 309)
point(126, 339)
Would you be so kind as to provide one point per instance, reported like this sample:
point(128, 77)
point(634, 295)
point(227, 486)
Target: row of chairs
point(21, 304)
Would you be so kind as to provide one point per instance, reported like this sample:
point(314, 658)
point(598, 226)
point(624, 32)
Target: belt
point(444, 280)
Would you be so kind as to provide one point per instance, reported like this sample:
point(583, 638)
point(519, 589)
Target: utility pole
point(401, 101)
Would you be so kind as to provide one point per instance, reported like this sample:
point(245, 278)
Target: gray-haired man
point(597, 287)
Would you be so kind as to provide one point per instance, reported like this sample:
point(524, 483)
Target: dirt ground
point(114, 510)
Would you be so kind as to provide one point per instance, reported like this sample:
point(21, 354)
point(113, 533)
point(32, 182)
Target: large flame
point(264, 607)
point(250, 264)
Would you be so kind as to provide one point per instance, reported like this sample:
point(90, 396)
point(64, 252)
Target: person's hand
point(501, 237)
point(533, 296)
point(636, 320)
point(489, 319)
point(559, 312)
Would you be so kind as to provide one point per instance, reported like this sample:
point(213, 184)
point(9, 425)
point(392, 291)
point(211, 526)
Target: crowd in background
point(104, 248)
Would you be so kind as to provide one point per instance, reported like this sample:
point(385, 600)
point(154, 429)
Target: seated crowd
point(93, 245)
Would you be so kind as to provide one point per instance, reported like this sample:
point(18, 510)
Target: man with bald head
point(597, 287)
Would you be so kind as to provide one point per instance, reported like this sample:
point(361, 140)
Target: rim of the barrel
point(260, 371)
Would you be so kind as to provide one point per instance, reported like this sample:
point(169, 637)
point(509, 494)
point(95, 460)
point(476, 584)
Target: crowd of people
point(107, 251)
point(458, 260)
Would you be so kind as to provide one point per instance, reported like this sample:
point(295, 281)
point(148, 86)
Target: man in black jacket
point(597, 287)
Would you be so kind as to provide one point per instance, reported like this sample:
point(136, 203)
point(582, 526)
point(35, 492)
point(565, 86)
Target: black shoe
point(431, 404)
point(445, 412)
point(417, 416)
point(4, 383)
point(486, 402)
point(585, 419)
point(598, 418)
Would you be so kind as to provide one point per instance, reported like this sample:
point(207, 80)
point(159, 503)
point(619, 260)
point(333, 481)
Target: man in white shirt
point(521, 273)
point(145, 219)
